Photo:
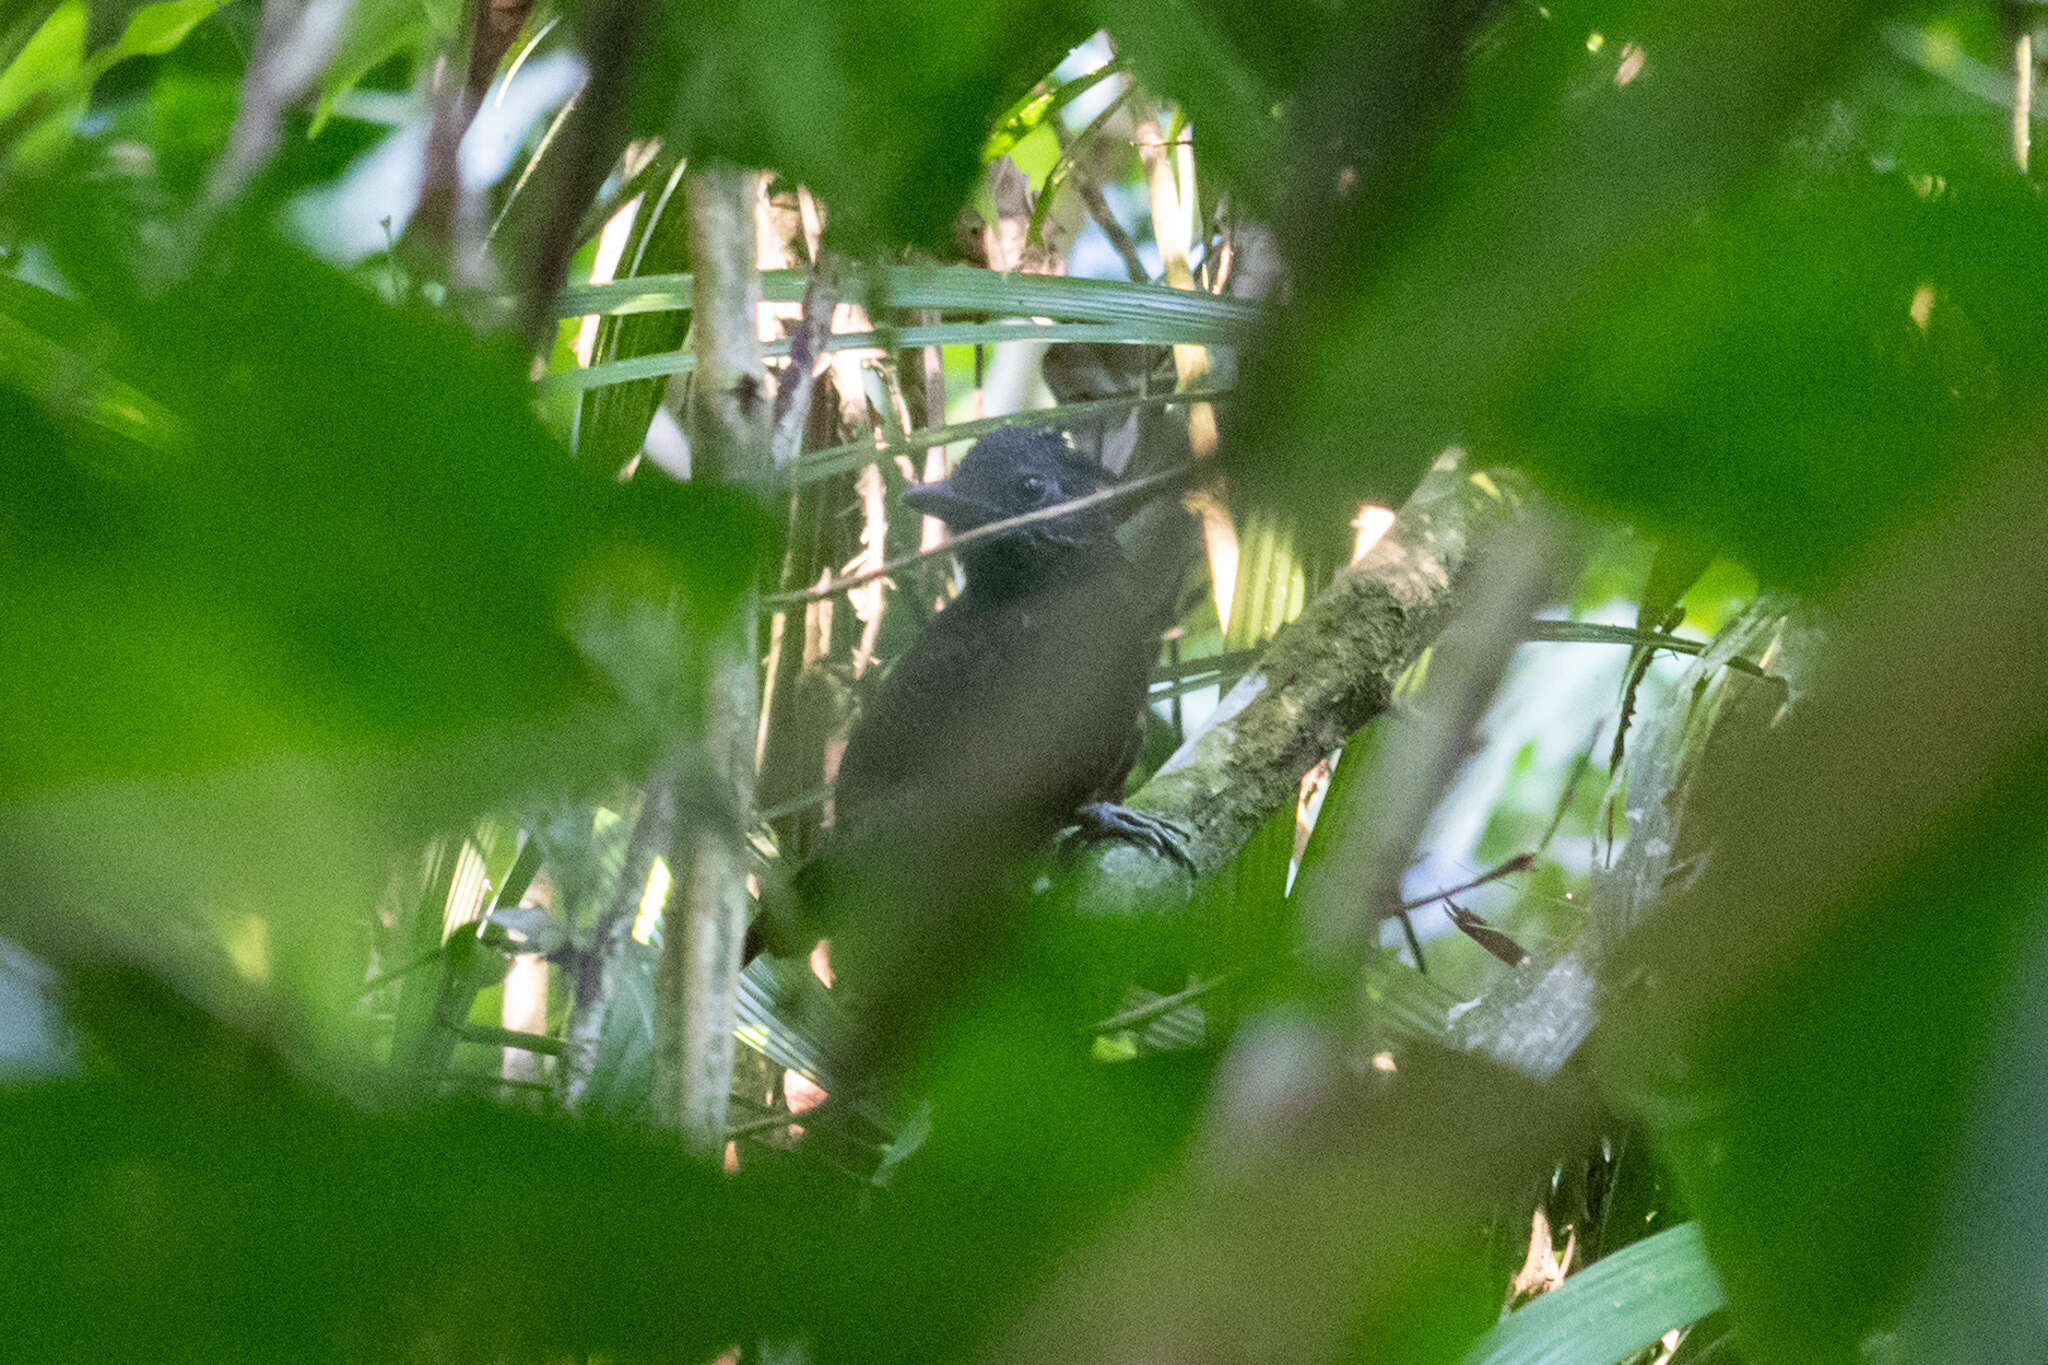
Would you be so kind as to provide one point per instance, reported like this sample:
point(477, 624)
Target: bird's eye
point(1031, 485)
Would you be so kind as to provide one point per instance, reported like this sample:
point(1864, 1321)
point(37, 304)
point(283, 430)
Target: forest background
point(449, 525)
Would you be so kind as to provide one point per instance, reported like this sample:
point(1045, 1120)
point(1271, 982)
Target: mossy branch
point(1321, 679)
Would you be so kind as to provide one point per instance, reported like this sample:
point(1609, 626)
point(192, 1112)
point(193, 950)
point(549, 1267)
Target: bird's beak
point(939, 499)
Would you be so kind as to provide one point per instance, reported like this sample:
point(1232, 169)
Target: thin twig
point(1414, 943)
point(806, 344)
point(1571, 788)
point(1062, 168)
point(1521, 862)
point(1123, 492)
point(1167, 1004)
point(490, 1035)
point(588, 144)
point(818, 464)
point(496, 23)
point(783, 1120)
point(817, 796)
point(1593, 633)
point(295, 42)
point(1105, 218)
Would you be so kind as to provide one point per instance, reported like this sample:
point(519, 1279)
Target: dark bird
point(1016, 714)
point(1020, 705)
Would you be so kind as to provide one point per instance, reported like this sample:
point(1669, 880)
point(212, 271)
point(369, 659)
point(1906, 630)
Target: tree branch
point(592, 134)
point(800, 376)
point(1323, 677)
point(698, 973)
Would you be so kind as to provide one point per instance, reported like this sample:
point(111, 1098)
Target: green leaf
point(1149, 332)
point(880, 106)
point(373, 32)
point(156, 29)
point(1559, 175)
point(948, 288)
point(1802, 372)
point(1821, 1124)
point(1613, 1308)
point(51, 61)
point(622, 1073)
point(335, 617)
point(1032, 112)
point(1989, 1250)
point(288, 1224)
point(785, 1014)
point(612, 421)
point(1275, 578)
point(1823, 1021)
point(45, 342)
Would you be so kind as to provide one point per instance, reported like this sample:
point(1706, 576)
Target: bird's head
point(1013, 471)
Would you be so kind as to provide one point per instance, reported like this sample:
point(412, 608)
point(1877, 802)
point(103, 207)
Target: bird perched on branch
point(1015, 715)
point(1021, 702)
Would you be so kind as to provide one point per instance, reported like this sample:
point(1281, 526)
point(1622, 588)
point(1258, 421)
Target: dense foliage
point(1617, 933)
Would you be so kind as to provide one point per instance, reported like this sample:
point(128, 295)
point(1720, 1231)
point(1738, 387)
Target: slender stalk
point(1117, 493)
point(698, 973)
point(819, 464)
point(1175, 211)
point(2023, 100)
point(599, 967)
point(793, 394)
point(1167, 1004)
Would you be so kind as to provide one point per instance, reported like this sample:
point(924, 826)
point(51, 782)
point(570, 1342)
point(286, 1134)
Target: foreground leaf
point(1611, 1309)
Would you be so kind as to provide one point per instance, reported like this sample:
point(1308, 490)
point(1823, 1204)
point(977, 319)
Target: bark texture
point(698, 974)
point(1329, 673)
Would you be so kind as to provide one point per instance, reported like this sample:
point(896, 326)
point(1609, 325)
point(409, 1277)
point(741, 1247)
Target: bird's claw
point(1100, 820)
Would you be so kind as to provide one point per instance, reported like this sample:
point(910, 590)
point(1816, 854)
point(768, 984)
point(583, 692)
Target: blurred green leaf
point(373, 32)
point(155, 29)
point(1811, 1024)
point(1800, 373)
point(367, 508)
point(335, 615)
point(881, 107)
point(1975, 1281)
point(1613, 1308)
point(51, 60)
point(1560, 171)
point(417, 1017)
point(50, 341)
point(1232, 68)
point(1815, 1131)
point(202, 1202)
